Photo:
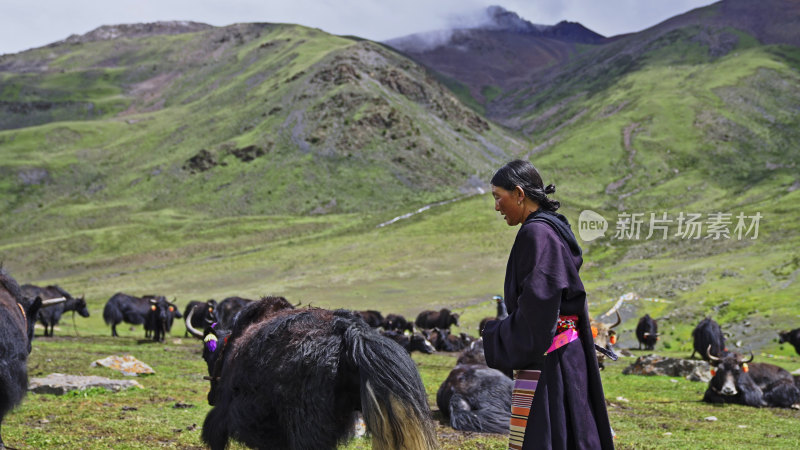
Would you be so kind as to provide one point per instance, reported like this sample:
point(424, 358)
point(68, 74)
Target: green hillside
point(694, 119)
point(261, 158)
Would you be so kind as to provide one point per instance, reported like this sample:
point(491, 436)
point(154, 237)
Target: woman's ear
point(520, 193)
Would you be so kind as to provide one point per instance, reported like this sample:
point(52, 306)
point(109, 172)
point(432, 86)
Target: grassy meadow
point(448, 256)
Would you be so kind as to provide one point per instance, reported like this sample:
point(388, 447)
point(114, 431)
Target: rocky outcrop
point(60, 384)
point(691, 369)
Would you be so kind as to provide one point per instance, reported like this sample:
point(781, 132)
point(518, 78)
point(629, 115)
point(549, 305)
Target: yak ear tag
point(171, 309)
point(211, 342)
point(153, 308)
point(745, 368)
point(594, 332)
point(713, 372)
point(612, 339)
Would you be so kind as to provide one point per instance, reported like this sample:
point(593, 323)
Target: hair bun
point(550, 189)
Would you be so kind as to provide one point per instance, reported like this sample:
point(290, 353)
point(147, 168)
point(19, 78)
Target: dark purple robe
point(542, 282)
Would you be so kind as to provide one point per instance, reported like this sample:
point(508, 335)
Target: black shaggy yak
point(792, 337)
point(17, 317)
point(138, 310)
point(396, 322)
point(203, 314)
point(436, 319)
point(227, 309)
point(707, 337)
point(290, 378)
point(647, 332)
point(752, 384)
point(49, 317)
point(476, 398)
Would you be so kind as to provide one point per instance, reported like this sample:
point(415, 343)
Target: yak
point(501, 314)
point(432, 319)
point(414, 342)
point(158, 321)
point(50, 316)
point(752, 384)
point(227, 309)
point(292, 378)
point(135, 310)
point(373, 318)
point(476, 398)
point(17, 318)
point(396, 322)
point(792, 337)
point(473, 354)
point(203, 313)
point(604, 339)
point(708, 335)
point(647, 332)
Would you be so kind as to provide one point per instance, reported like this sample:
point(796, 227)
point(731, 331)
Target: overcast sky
point(28, 24)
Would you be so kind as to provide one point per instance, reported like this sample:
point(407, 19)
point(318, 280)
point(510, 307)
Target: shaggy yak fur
point(476, 398)
point(50, 316)
point(288, 378)
point(17, 317)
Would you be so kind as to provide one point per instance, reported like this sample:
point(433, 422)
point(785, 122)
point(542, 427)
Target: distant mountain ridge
point(136, 30)
point(496, 53)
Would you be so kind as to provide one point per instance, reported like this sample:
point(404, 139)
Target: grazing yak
point(501, 314)
point(752, 384)
point(202, 314)
point(647, 332)
point(50, 316)
point(433, 319)
point(227, 309)
point(17, 318)
point(293, 378)
point(396, 322)
point(792, 337)
point(137, 310)
point(708, 335)
point(476, 398)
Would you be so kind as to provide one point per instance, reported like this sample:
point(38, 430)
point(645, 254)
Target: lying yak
point(753, 384)
point(476, 398)
point(293, 379)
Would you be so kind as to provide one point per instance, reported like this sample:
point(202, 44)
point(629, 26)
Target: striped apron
point(525, 382)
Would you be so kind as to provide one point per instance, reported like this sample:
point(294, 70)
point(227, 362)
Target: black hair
point(523, 174)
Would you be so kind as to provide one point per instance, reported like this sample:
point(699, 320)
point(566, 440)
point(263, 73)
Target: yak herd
point(281, 376)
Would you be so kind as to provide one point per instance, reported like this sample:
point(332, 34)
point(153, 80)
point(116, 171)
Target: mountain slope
point(246, 119)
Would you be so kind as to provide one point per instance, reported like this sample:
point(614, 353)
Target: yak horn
point(710, 356)
point(751, 357)
point(619, 320)
point(192, 330)
point(53, 301)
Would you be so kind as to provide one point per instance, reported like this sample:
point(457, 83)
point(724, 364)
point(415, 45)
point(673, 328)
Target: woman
point(546, 338)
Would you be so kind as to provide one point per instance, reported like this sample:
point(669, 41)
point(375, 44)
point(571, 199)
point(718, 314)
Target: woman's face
point(508, 203)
